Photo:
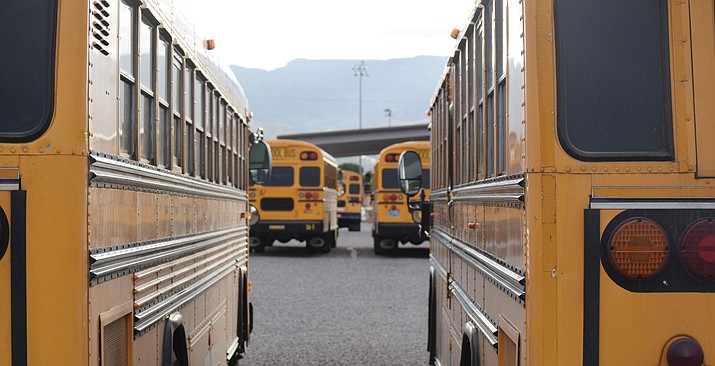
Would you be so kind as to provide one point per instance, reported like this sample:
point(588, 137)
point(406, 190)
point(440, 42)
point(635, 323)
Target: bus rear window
point(281, 176)
point(310, 176)
point(354, 189)
point(389, 179)
point(613, 79)
point(27, 34)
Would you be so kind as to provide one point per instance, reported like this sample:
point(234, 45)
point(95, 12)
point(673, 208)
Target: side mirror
point(260, 162)
point(409, 172)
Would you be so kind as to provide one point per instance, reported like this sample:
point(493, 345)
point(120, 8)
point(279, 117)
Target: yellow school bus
point(572, 203)
point(300, 199)
point(349, 200)
point(392, 222)
point(123, 189)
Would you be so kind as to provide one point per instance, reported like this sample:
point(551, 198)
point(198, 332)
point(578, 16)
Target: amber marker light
point(455, 33)
point(638, 248)
point(210, 44)
point(697, 249)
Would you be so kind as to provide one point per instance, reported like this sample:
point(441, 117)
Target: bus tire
point(257, 244)
point(319, 243)
point(376, 244)
point(387, 245)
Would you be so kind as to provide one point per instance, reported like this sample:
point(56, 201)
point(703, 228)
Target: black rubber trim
point(18, 277)
point(591, 286)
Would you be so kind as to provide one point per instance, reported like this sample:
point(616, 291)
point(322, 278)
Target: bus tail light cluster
point(639, 248)
point(309, 195)
point(308, 155)
point(392, 158)
point(391, 197)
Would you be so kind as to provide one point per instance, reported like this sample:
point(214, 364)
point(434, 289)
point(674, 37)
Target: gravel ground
point(348, 307)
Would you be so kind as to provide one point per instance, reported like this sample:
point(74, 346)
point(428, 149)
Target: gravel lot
point(347, 307)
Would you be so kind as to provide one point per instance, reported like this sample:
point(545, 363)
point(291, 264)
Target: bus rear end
point(393, 223)
point(299, 201)
point(350, 200)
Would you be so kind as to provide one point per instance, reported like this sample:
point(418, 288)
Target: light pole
point(360, 70)
point(388, 113)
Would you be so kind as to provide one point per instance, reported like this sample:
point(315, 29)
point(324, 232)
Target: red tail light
point(308, 195)
point(697, 249)
point(685, 352)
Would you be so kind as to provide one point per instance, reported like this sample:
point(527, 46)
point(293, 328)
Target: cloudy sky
point(267, 34)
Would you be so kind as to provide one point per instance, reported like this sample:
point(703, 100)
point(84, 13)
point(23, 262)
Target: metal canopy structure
point(370, 141)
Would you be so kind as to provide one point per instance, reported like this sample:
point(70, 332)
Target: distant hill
point(322, 95)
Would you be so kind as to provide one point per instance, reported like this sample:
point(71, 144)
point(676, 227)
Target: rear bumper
point(287, 229)
point(404, 232)
point(347, 219)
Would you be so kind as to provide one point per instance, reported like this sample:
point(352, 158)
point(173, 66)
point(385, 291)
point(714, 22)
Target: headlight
point(255, 216)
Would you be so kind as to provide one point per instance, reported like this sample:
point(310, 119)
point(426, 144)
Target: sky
point(267, 34)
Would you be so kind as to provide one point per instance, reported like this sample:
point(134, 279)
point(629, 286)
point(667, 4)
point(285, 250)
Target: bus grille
point(277, 204)
point(114, 347)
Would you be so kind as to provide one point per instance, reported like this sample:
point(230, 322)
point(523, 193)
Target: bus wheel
point(319, 243)
point(257, 243)
point(387, 245)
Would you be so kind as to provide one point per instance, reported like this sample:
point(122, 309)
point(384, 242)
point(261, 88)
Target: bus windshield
point(28, 28)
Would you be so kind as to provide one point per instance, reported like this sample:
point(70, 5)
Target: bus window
point(354, 189)
point(425, 178)
point(310, 176)
point(625, 113)
point(389, 179)
point(281, 176)
point(28, 28)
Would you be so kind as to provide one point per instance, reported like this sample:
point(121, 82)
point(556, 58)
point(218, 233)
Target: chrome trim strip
point(476, 314)
point(116, 262)
point(436, 195)
point(438, 267)
point(496, 197)
point(105, 170)
point(504, 276)
point(9, 185)
point(516, 184)
point(509, 280)
point(626, 204)
point(144, 318)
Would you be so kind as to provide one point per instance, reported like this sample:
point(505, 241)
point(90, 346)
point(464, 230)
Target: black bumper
point(347, 219)
point(287, 229)
point(403, 232)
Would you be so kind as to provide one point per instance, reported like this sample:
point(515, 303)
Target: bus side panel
point(56, 258)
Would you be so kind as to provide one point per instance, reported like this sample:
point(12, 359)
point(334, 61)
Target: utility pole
point(360, 70)
point(388, 113)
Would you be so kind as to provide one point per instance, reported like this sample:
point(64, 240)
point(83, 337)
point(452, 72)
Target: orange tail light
point(639, 248)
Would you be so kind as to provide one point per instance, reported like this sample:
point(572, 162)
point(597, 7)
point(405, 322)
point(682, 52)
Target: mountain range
point(324, 95)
